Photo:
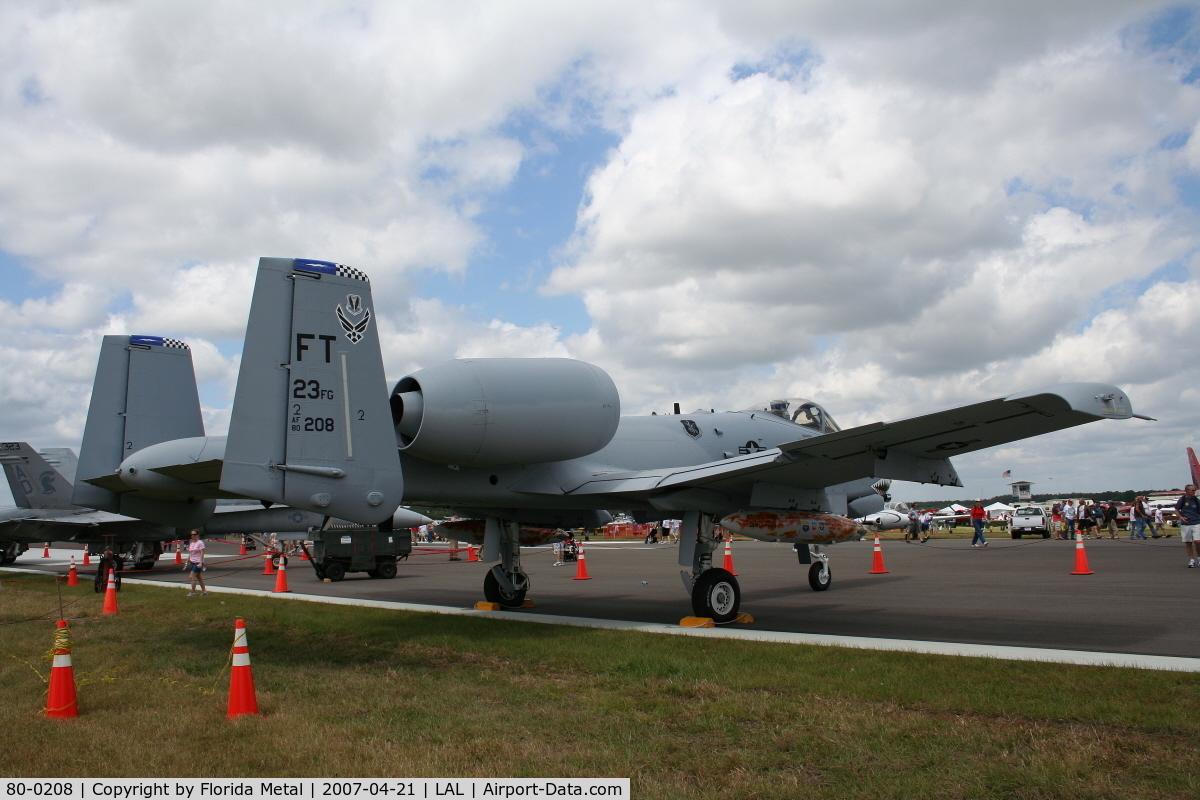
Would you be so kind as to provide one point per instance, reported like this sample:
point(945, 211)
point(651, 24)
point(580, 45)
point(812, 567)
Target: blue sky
point(527, 226)
point(889, 209)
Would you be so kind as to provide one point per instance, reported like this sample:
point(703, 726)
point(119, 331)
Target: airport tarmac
point(1012, 593)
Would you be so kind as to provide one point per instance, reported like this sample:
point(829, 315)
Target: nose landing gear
point(819, 574)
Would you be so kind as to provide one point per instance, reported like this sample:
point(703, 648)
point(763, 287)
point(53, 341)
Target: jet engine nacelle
point(487, 411)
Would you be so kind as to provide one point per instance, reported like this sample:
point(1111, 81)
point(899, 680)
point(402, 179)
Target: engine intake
point(488, 411)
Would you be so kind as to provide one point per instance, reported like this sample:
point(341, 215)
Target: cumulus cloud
point(889, 208)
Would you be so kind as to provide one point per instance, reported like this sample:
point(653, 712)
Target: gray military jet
point(41, 485)
point(44, 511)
point(525, 445)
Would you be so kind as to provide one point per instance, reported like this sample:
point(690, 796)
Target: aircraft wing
point(86, 518)
point(915, 449)
point(201, 472)
point(82, 526)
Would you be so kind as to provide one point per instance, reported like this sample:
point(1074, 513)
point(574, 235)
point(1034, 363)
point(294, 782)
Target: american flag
point(1007, 473)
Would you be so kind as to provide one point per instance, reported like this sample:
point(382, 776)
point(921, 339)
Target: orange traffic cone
point(46, 551)
point(110, 594)
point(1081, 565)
point(60, 700)
point(728, 565)
point(471, 553)
point(72, 575)
point(241, 680)
point(178, 554)
point(281, 577)
point(269, 567)
point(877, 564)
point(87, 561)
point(581, 568)
point(242, 549)
point(304, 553)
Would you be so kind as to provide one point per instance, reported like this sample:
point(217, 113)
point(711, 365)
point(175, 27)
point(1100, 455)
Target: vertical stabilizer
point(1194, 466)
point(145, 393)
point(311, 426)
point(34, 482)
point(62, 459)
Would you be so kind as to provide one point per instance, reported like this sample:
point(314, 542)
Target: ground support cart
point(358, 549)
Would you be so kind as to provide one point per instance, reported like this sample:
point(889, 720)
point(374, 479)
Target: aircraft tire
point(819, 576)
point(335, 571)
point(716, 595)
point(493, 592)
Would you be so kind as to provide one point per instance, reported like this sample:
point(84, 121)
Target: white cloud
point(889, 208)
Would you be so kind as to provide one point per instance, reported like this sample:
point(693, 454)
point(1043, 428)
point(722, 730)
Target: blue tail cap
point(309, 265)
point(159, 341)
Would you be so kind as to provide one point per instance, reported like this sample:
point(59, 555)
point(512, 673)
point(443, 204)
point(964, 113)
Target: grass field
point(372, 693)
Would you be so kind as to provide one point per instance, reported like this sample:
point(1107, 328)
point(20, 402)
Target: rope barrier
point(1006, 547)
point(1042, 541)
point(57, 610)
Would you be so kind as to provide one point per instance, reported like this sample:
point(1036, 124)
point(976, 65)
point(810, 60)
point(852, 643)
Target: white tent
point(996, 509)
point(953, 508)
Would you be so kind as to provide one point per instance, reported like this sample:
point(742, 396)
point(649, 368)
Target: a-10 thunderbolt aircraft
point(41, 485)
point(524, 445)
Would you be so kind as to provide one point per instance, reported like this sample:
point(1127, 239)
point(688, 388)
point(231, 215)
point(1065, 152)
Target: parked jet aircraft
point(41, 485)
point(893, 516)
point(45, 513)
point(524, 444)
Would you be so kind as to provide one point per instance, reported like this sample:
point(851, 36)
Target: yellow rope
point(31, 666)
point(201, 689)
point(62, 642)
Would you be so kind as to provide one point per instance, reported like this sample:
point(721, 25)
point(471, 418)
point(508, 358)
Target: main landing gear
point(819, 575)
point(506, 583)
point(715, 592)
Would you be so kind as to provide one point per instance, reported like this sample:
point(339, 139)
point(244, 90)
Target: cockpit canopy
point(800, 411)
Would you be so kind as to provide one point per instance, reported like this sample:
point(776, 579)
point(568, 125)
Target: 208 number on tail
point(319, 424)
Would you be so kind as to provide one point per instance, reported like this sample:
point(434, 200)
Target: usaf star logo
point(355, 329)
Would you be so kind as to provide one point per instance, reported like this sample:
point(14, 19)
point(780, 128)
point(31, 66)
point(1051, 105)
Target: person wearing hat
point(978, 515)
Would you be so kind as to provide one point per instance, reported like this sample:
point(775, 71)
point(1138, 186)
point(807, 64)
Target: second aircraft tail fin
point(145, 393)
point(34, 482)
point(1194, 466)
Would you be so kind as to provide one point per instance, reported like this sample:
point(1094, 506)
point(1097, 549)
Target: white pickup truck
point(1030, 520)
